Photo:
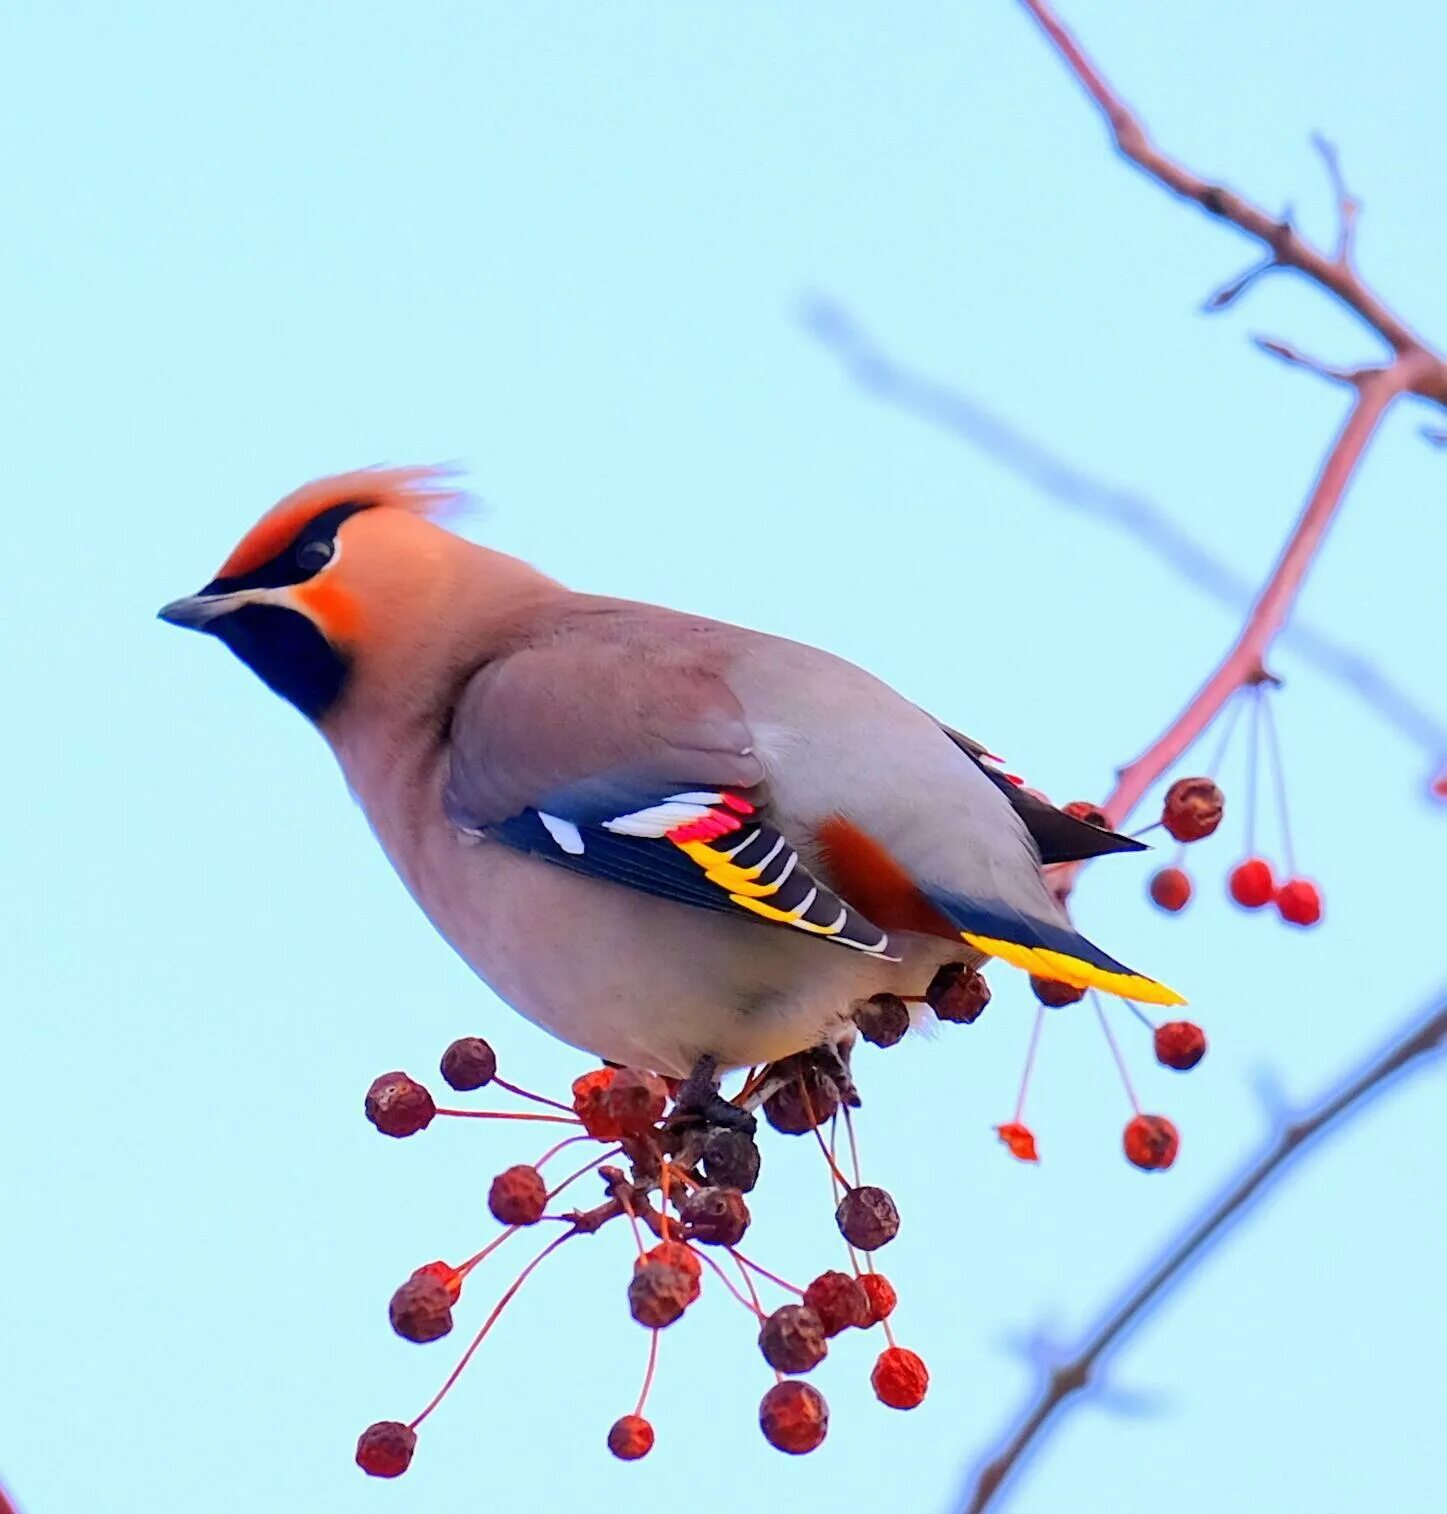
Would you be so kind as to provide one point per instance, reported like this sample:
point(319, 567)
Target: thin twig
point(1410, 1047)
point(1335, 273)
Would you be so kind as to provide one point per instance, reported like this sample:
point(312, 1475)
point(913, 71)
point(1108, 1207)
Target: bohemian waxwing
point(667, 840)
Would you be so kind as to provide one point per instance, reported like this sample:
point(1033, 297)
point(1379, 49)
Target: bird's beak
point(196, 611)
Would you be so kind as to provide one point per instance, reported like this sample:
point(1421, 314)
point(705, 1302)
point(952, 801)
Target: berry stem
point(1253, 743)
point(537, 1098)
point(1141, 1015)
point(1029, 1070)
point(853, 1146)
point(649, 1370)
point(581, 1172)
point(757, 1306)
point(1114, 1050)
point(552, 1151)
point(1278, 773)
point(514, 1114)
point(487, 1325)
point(723, 1277)
point(773, 1277)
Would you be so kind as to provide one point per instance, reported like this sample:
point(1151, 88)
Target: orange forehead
point(422, 491)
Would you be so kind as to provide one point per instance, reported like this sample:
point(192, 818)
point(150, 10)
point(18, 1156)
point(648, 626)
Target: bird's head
point(336, 571)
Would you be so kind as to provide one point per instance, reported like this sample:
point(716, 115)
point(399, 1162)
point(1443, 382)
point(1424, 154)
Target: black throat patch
point(287, 652)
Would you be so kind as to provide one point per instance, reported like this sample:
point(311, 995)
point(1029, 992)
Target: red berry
point(1171, 889)
point(635, 1100)
point(659, 1293)
point(794, 1417)
point(883, 1019)
point(792, 1339)
point(398, 1105)
point(449, 1277)
point(1193, 808)
point(1252, 884)
point(1180, 1044)
point(1092, 814)
point(421, 1309)
point(867, 1218)
point(715, 1216)
point(839, 1301)
point(958, 994)
point(385, 1449)
point(1151, 1142)
point(900, 1378)
point(1299, 901)
point(469, 1064)
point(882, 1297)
point(630, 1437)
point(1055, 995)
point(1020, 1140)
point(590, 1104)
point(518, 1196)
point(676, 1254)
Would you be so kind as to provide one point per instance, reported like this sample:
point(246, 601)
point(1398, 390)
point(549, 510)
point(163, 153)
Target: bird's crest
point(420, 491)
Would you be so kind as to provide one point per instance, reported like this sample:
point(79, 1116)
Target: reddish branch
point(1407, 1051)
point(1414, 368)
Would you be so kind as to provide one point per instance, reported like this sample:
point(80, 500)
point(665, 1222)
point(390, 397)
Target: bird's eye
point(314, 555)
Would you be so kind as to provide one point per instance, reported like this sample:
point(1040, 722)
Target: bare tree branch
point(1410, 1048)
point(882, 376)
point(1425, 372)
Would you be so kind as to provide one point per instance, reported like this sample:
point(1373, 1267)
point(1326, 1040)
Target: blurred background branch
point(1410, 1048)
point(883, 377)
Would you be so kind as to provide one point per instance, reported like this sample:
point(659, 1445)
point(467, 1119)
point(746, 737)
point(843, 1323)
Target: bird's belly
point(640, 980)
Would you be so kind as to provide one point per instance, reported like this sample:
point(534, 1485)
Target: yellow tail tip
point(1060, 968)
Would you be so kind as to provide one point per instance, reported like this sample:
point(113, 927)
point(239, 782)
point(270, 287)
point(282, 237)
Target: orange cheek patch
point(335, 611)
point(863, 872)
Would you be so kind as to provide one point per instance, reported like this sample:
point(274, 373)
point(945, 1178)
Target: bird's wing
point(631, 760)
point(1058, 837)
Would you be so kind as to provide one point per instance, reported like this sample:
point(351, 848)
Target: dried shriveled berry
point(792, 1339)
point(398, 1105)
point(1171, 889)
point(839, 1301)
point(1151, 1142)
point(468, 1064)
point(1092, 814)
point(1180, 1044)
point(635, 1100)
point(447, 1275)
point(900, 1378)
point(630, 1437)
point(794, 1417)
point(1020, 1140)
point(658, 1293)
point(883, 1019)
point(676, 1254)
point(881, 1295)
point(867, 1218)
point(806, 1100)
point(1055, 995)
point(731, 1159)
point(518, 1196)
point(1299, 901)
point(715, 1216)
point(385, 1449)
point(421, 1309)
point(1251, 883)
point(1192, 809)
point(958, 994)
point(591, 1106)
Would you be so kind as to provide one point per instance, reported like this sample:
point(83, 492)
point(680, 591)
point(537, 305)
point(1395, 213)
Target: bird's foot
point(699, 1101)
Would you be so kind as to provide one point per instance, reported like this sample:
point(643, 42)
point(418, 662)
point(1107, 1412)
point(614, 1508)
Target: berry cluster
point(1192, 811)
point(680, 1181)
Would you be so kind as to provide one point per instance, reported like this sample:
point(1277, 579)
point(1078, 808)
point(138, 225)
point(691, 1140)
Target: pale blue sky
point(567, 246)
